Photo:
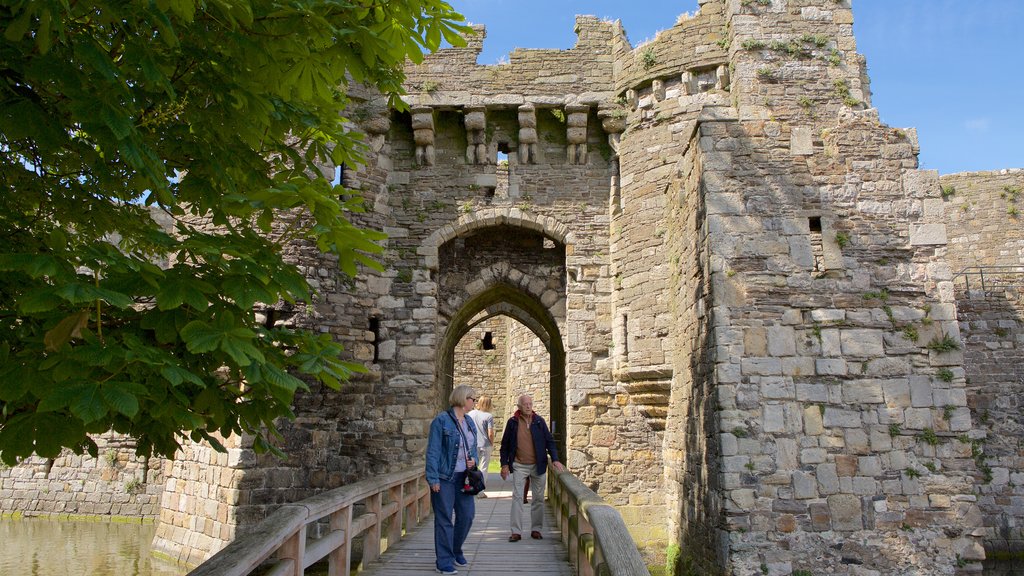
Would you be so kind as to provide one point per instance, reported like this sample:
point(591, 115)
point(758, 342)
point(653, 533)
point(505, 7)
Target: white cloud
point(978, 125)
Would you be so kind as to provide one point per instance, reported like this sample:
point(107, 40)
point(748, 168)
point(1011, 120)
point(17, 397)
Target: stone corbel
point(722, 77)
point(576, 133)
point(632, 99)
point(423, 135)
point(658, 90)
point(527, 134)
point(376, 128)
point(476, 123)
point(613, 121)
point(688, 84)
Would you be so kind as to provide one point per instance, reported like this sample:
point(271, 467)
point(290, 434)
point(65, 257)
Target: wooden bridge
point(582, 535)
point(488, 550)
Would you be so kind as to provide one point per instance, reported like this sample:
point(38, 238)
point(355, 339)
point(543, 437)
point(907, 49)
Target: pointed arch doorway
point(524, 336)
point(505, 275)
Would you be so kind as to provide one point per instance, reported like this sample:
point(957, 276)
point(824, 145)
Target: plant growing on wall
point(199, 112)
point(945, 343)
point(842, 239)
point(647, 58)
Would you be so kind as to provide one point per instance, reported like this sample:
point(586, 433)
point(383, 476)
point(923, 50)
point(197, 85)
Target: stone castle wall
point(481, 367)
point(986, 248)
point(116, 483)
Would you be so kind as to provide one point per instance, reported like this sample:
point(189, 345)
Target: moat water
point(34, 547)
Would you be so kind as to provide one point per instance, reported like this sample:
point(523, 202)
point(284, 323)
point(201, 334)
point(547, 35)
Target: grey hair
point(459, 395)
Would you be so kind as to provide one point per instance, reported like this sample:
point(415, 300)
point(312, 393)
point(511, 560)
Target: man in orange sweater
point(525, 446)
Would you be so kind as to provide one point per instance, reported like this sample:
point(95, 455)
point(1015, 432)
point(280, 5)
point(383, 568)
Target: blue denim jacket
point(443, 446)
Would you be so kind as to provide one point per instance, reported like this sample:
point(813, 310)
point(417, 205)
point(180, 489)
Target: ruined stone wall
point(373, 425)
point(485, 368)
point(711, 261)
point(986, 247)
point(116, 483)
point(985, 216)
point(529, 367)
point(993, 334)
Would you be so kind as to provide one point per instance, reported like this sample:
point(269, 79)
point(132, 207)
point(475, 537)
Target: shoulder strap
point(461, 433)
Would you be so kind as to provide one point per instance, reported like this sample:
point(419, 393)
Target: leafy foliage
point(215, 117)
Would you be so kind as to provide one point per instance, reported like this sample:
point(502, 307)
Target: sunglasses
point(470, 398)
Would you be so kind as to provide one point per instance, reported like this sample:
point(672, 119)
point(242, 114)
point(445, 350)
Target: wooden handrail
point(389, 500)
point(597, 538)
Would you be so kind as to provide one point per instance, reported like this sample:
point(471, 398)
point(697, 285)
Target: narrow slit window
point(817, 248)
point(625, 336)
point(488, 341)
point(375, 330)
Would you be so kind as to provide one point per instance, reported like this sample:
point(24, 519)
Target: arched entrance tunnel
point(501, 302)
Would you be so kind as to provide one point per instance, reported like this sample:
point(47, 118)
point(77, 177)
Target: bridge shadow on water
point(488, 550)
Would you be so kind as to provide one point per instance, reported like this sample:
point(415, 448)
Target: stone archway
point(503, 300)
point(491, 217)
point(502, 262)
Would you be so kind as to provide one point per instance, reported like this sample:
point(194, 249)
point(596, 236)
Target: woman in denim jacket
point(451, 450)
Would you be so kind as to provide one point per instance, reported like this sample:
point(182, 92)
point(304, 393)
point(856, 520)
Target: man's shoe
point(452, 571)
point(536, 535)
point(461, 561)
point(515, 538)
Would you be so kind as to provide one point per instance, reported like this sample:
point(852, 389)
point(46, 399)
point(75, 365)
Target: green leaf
point(176, 375)
point(88, 404)
point(17, 29)
point(177, 291)
point(39, 301)
point(43, 434)
point(120, 396)
point(81, 293)
point(35, 265)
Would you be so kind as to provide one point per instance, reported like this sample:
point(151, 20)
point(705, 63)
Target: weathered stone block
point(862, 343)
point(845, 512)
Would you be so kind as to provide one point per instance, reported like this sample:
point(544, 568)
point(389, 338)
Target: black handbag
point(474, 483)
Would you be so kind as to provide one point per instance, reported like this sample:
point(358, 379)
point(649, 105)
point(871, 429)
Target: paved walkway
point(488, 550)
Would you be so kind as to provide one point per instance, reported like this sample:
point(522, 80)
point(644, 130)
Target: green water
point(33, 547)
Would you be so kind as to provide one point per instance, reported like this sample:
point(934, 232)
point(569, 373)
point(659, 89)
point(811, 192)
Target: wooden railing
point(598, 541)
point(389, 502)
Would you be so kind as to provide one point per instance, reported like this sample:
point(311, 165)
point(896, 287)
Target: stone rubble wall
point(116, 483)
point(485, 370)
point(984, 232)
point(529, 366)
point(837, 424)
point(984, 212)
point(992, 328)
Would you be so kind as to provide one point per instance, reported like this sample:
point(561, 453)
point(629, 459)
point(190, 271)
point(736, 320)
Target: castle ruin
point(734, 294)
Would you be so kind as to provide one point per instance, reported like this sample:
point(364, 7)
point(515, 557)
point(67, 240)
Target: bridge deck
point(488, 550)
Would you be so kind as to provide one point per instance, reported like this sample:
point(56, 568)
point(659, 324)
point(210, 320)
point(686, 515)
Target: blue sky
point(951, 69)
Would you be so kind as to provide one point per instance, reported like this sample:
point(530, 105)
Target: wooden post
point(395, 522)
point(371, 542)
point(340, 559)
point(293, 549)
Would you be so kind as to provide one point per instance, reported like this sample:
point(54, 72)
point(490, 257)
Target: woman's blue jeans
point(448, 535)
